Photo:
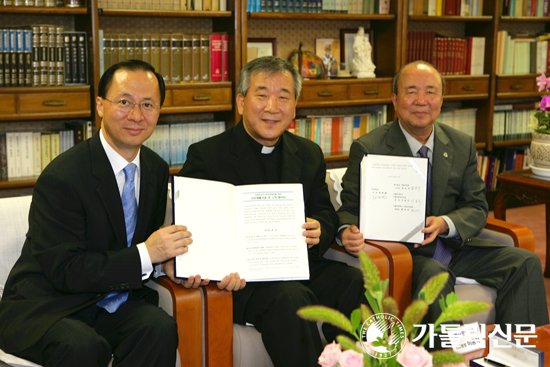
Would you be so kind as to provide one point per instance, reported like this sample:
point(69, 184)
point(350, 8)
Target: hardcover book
point(205, 57)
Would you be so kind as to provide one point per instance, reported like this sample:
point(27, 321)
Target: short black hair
point(133, 65)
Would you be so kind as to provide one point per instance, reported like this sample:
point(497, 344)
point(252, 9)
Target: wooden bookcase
point(187, 102)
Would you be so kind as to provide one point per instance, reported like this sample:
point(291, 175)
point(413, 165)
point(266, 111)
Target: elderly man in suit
point(260, 150)
point(458, 209)
point(75, 297)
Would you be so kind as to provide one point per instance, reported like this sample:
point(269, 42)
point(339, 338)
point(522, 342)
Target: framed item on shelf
point(328, 49)
point(346, 45)
point(258, 47)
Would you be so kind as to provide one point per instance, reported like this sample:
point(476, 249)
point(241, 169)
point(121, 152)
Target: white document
point(392, 199)
point(255, 230)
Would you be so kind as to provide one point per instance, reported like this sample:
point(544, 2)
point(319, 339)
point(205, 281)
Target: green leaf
point(433, 287)
point(325, 314)
point(389, 305)
point(451, 298)
point(413, 314)
point(446, 357)
point(356, 318)
point(462, 309)
point(371, 275)
point(347, 343)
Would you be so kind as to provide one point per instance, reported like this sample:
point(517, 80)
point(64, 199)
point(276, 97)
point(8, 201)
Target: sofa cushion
point(14, 213)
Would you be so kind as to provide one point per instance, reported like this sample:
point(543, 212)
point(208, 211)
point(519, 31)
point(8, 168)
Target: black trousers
point(515, 273)
point(137, 334)
point(289, 339)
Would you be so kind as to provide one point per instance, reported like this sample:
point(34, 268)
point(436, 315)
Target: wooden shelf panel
point(509, 143)
point(450, 18)
point(509, 19)
point(165, 13)
point(17, 183)
point(320, 16)
point(43, 10)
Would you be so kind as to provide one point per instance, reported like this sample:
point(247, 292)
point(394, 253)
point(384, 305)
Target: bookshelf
point(23, 107)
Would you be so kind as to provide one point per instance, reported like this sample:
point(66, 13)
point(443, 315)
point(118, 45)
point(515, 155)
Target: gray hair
point(270, 65)
point(396, 77)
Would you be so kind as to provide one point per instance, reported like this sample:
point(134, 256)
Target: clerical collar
point(267, 150)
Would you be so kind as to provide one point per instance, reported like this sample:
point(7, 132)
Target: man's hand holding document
point(392, 198)
point(255, 230)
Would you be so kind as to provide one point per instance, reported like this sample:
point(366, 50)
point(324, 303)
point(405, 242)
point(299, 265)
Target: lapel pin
point(446, 155)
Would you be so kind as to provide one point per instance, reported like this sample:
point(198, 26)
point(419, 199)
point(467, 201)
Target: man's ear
point(240, 103)
point(99, 106)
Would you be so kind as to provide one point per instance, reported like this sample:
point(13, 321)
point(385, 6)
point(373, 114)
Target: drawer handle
point(469, 87)
point(55, 102)
point(516, 86)
point(202, 98)
point(325, 94)
point(371, 91)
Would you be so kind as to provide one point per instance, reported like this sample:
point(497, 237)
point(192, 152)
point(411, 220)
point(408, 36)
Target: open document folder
point(255, 230)
point(392, 197)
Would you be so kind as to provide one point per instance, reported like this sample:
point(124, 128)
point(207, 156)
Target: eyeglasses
point(125, 105)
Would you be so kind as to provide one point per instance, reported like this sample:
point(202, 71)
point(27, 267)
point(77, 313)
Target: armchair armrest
point(218, 313)
point(400, 271)
point(521, 236)
point(186, 307)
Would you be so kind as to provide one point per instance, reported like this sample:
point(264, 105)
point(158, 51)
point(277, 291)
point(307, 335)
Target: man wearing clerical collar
point(260, 150)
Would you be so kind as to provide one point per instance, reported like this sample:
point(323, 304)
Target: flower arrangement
point(541, 120)
point(396, 334)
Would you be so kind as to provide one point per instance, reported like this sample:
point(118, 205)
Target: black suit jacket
point(75, 251)
point(229, 157)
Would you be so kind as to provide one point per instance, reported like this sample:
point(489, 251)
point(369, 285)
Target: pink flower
point(413, 356)
point(351, 358)
point(543, 82)
point(544, 104)
point(330, 356)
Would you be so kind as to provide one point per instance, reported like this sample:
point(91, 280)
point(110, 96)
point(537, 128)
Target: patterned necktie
point(113, 300)
point(442, 253)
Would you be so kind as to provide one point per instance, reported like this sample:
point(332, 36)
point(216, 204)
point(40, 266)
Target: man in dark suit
point(458, 210)
point(81, 259)
point(260, 150)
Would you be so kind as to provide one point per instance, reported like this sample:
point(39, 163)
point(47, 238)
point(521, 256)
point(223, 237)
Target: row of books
point(512, 121)
point(463, 8)
point(522, 53)
point(27, 153)
point(165, 5)
point(39, 3)
point(42, 55)
point(171, 141)
point(525, 8)
point(334, 134)
point(178, 57)
point(451, 56)
point(462, 119)
point(512, 158)
point(320, 6)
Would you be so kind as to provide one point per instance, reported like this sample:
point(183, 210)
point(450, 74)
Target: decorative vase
point(540, 150)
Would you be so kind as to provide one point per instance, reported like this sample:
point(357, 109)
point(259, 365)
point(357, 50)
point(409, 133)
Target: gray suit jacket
point(76, 251)
point(457, 189)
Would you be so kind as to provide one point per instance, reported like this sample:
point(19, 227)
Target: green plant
point(355, 352)
point(540, 121)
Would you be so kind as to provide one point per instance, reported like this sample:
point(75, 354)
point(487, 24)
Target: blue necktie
point(113, 300)
point(442, 253)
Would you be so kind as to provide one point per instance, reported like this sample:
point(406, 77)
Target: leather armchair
point(230, 344)
point(184, 304)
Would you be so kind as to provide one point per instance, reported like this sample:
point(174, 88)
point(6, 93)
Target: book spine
point(13, 57)
point(122, 47)
point(187, 58)
point(67, 58)
point(82, 58)
point(165, 61)
point(147, 48)
point(138, 47)
point(36, 154)
point(3, 157)
point(155, 51)
point(196, 74)
point(73, 47)
point(225, 57)
point(130, 47)
point(2, 52)
point(216, 57)
point(44, 56)
point(20, 49)
point(27, 59)
point(205, 57)
point(52, 60)
point(177, 58)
